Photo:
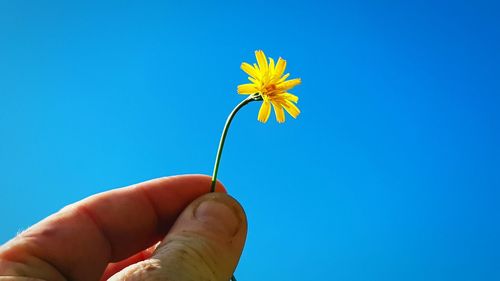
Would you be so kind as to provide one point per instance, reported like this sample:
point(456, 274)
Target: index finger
point(78, 242)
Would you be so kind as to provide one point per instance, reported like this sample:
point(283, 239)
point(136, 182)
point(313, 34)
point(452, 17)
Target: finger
point(113, 268)
point(204, 244)
point(78, 242)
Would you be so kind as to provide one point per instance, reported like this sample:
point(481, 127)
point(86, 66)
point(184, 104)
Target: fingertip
point(212, 202)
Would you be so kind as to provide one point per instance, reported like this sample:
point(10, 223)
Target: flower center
point(270, 88)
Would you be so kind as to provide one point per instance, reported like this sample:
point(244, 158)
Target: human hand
point(117, 232)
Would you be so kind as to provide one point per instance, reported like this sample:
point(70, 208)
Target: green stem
point(250, 98)
point(254, 97)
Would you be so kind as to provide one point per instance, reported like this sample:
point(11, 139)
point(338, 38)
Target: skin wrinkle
point(190, 250)
point(10, 266)
point(82, 209)
point(27, 258)
point(159, 226)
point(186, 246)
point(53, 267)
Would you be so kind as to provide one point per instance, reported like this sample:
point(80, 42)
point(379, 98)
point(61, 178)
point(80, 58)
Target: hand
point(118, 231)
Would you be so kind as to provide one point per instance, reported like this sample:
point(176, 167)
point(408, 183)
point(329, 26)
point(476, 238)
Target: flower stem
point(254, 97)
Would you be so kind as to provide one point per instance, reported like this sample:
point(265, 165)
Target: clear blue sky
point(391, 172)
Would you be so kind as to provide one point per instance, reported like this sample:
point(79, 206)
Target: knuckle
point(147, 270)
point(191, 256)
point(184, 256)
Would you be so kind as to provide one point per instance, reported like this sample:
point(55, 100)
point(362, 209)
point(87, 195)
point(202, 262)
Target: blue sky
point(391, 172)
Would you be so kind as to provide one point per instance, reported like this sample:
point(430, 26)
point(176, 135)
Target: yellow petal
point(291, 108)
point(278, 110)
point(250, 70)
point(264, 111)
point(283, 78)
point(261, 60)
point(290, 97)
point(287, 85)
point(271, 67)
point(247, 89)
point(280, 67)
point(253, 80)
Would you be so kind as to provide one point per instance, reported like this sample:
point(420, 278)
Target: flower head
point(269, 82)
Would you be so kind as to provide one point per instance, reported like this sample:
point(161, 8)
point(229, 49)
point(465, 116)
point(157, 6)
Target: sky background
point(391, 172)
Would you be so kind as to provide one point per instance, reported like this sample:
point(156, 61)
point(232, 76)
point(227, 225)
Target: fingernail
point(221, 217)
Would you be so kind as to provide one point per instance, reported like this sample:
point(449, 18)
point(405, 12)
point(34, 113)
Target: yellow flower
point(270, 83)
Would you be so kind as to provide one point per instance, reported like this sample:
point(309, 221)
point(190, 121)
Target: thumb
point(204, 244)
